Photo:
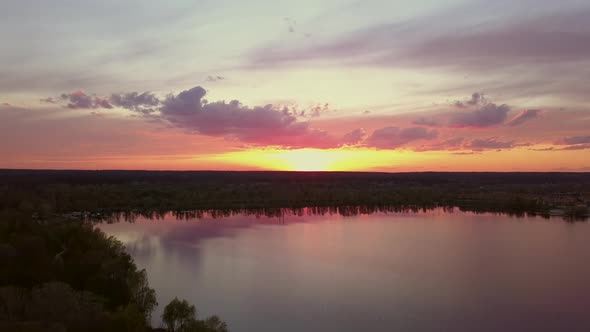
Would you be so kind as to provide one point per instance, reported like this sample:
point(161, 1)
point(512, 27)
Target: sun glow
point(310, 160)
point(318, 160)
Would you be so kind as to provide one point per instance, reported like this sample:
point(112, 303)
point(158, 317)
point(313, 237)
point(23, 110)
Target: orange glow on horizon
point(364, 159)
point(343, 159)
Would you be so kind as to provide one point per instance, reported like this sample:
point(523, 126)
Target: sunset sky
point(372, 85)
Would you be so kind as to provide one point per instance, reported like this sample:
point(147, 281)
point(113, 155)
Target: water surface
point(433, 271)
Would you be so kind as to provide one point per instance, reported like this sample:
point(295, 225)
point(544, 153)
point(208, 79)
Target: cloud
point(556, 37)
point(394, 137)
point(490, 143)
point(574, 143)
point(260, 125)
point(571, 143)
point(465, 153)
point(422, 121)
point(448, 145)
point(80, 100)
point(508, 46)
point(49, 100)
point(290, 24)
point(216, 78)
point(319, 109)
point(576, 147)
point(487, 115)
point(354, 137)
point(476, 99)
point(268, 125)
point(551, 148)
point(523, 117)
point(574, 140)
point(145, 102)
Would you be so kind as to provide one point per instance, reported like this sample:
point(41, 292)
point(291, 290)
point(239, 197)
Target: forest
point(58, 272)
point(48, 192)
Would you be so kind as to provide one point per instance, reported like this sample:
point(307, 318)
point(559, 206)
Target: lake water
point(432, 271)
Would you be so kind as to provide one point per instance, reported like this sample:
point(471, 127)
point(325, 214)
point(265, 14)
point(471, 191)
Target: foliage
point(180, 316)
point(47, 192)
point(58, 304)
point(57, 270)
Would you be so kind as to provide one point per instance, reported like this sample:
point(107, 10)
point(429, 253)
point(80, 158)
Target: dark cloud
point(476, 99)
point(354, 137)
point(394, 137)
point(260, 125)
point(80, 100)
point(145, 102)
point(523, 117)
point(487, 115)
point(186, 102)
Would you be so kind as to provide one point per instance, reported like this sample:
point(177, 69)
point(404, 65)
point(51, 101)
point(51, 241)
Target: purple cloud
point(574, 140)
point(422, 121)
point(476, 99)
point(354, 137)
point(560, 36)
point(576, 147)
point(260, 125)
point(80, 100)
point(145, 102)
point(523, 117)
point(394, 137)
point(487, 115)
point(490, 143)
point(447, 145)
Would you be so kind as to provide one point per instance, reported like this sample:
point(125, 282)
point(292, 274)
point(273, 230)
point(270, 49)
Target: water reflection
point(307, 270)
point(281, 213)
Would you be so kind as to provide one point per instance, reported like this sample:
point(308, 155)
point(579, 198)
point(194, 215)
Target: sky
point(339, 85)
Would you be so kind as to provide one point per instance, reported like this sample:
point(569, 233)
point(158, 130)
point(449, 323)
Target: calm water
point(432, 271)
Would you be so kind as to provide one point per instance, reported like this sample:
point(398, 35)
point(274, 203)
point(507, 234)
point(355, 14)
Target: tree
point(179, 315)
point(142, 295)
point(214, 324)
